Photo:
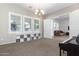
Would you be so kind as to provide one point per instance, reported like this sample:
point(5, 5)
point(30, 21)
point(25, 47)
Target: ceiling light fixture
point(39, 12)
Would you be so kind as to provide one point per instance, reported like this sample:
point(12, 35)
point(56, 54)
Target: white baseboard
point(3, 43)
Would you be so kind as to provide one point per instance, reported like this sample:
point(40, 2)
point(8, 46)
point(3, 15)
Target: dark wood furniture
point(71, 46)
point(67, 33)
point(59, 33)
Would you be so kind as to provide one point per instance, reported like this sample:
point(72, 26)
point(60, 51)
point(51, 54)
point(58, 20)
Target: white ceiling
point(47, 7)
point(62, 17)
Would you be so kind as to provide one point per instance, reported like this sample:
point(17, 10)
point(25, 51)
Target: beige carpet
point(42, 47)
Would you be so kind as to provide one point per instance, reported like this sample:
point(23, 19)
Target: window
point(15, 22)
point(19, 23)
point(26, 23)
point(36, 24)
point(56, 26)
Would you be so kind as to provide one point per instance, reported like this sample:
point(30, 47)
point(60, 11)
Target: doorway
point(61, 25)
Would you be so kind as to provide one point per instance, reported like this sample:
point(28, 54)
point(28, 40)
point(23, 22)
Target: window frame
point(16, 14)
point(37, 30)
point(30, 24)
point(56, 25)
point(32, 29)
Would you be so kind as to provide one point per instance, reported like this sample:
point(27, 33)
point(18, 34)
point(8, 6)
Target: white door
point(48, 29)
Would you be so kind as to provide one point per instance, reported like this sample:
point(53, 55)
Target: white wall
point(5, 36)
point(48, 28)
point(74, 23)
point(63, 25)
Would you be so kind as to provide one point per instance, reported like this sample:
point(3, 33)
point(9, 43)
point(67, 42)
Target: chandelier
point(39, 12)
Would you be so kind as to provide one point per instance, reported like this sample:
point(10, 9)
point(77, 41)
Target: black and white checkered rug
point(28, 37)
